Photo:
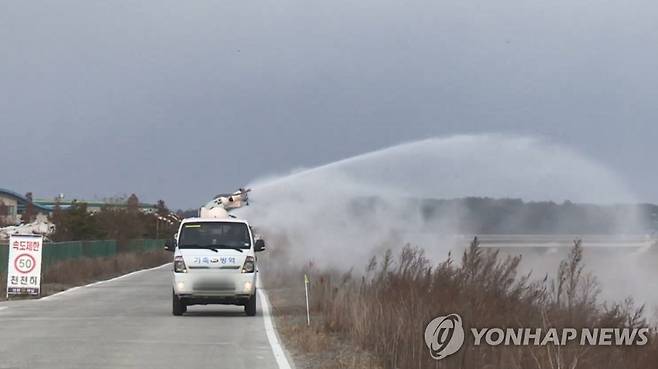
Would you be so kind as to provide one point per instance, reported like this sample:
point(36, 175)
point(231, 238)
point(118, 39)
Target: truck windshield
point(214, 235)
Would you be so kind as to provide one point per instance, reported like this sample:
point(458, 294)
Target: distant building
point(93, 206)
point(13, 205)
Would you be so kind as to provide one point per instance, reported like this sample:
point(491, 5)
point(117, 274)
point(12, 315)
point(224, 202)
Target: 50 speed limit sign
point(24, 269)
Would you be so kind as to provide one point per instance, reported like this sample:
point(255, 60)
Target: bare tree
point(161, 208)
point(133, 203)
point(29, 215)
point(4, 213)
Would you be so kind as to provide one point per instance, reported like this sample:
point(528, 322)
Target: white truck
point(215, 259)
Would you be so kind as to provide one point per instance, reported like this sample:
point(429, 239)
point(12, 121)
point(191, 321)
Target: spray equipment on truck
point(221, 204)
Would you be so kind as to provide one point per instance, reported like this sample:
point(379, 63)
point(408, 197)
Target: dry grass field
point(376, 319)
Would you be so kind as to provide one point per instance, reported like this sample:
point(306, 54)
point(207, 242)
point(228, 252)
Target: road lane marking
point(65, 292)
point(2, 308)
point(277, 349)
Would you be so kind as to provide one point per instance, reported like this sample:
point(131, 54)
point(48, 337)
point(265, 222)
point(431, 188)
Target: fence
point(54, 252)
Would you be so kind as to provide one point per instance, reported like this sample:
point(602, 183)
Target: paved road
point(127, 323)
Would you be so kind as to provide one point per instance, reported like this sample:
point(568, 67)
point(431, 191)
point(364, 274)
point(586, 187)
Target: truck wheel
point(177, 306)
point(250, 306)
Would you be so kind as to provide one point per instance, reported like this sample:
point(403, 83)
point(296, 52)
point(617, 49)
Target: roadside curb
point(73, 289)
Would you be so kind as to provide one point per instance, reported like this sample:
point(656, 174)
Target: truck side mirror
point(260, 245)
point(170, 245)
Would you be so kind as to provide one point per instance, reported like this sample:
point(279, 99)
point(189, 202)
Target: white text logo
point(444, 336)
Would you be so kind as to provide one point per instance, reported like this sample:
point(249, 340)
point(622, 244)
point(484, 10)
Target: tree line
point(482, 215)
point(512, 216)
point(121, 223)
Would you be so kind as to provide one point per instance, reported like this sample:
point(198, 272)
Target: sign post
point(24, 269)
point(308, 311)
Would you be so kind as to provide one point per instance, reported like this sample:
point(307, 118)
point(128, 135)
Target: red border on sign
point(34, 263)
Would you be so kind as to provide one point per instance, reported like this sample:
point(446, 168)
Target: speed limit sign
point(24, 263)
point(24, 269)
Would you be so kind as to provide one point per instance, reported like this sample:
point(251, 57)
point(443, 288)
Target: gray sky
point(183, 99)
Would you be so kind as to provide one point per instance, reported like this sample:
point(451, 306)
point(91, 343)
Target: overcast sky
point(183, 99)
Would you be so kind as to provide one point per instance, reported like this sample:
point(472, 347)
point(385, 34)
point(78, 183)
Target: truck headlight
point(179, 265)
point(249, 264)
